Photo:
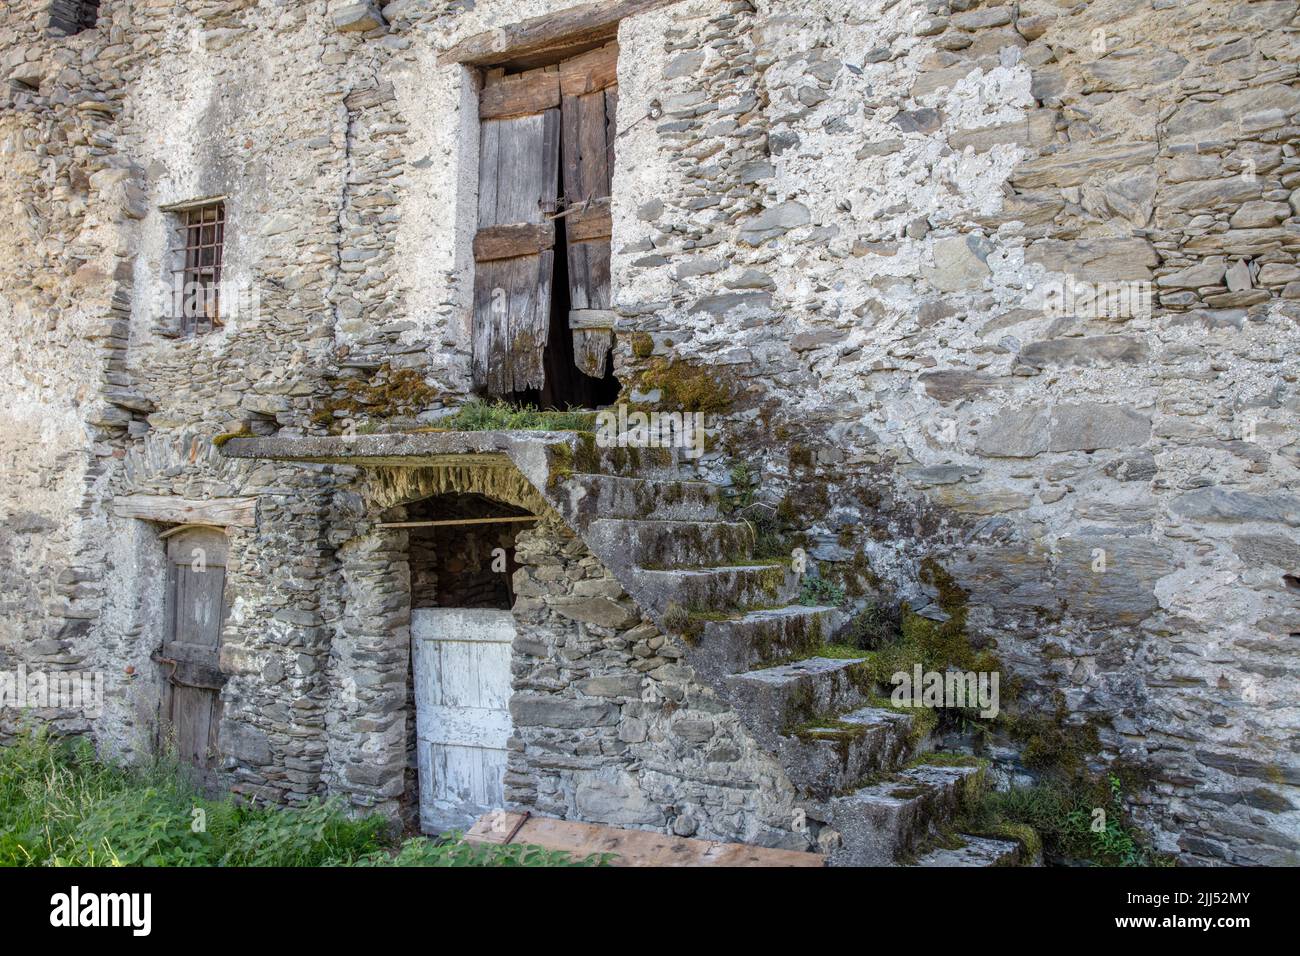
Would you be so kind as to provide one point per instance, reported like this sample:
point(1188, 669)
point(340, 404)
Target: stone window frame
point(70, 17)
point(183, 263)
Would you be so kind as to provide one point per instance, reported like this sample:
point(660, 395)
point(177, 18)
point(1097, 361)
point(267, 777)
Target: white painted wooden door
point(462, 696)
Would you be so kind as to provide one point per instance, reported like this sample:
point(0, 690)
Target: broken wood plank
point(220, 512)
point(590, 71)
point(594, 223)
point(592, 319)
point(497, 826)
point(565, 29)
point(519, 239)
point(631, 847)
point(520, 94)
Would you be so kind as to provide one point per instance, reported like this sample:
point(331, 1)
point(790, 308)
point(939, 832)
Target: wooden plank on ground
point(632, 847)
point(221, 512)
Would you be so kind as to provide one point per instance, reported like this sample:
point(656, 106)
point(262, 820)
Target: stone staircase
point(870, 796)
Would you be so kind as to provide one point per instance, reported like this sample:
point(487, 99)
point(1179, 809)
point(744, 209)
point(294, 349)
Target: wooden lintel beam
point(589, 22)
point(169, 509)
point(453, 521)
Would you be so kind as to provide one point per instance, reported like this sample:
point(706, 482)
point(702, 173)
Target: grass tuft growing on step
point(480, 416)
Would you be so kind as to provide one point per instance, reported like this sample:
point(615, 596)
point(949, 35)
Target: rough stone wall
point(888, 189)
point(612, 727)
point(848, 211)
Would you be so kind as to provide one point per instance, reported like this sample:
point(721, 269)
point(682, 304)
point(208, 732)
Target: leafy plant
point(817, 591)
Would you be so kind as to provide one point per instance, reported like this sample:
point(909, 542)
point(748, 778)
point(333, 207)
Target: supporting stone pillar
point(367, 710)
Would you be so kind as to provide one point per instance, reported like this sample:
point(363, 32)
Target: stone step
point(741, 643)
point(623, 542)
point(974, 851)
point(665, 463)
point(884, 822)
point(722, 588)
point(828, 757)
point(775, 701)
point(610, 496)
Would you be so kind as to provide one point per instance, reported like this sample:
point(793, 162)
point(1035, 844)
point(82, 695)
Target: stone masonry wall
point(848, 213)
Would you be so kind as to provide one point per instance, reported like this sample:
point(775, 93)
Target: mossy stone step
point(667, 544)
point(886, 821)
point(718, 588)
point(973, 851)
point(611, 496)
point(826, 757)
point(773, 701)
point(741, 643)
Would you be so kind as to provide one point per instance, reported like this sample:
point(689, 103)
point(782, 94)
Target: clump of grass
point(821, 592)
point(61, 804)
point(480, 416)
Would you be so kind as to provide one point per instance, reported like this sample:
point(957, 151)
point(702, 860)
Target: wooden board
point(507, 242)
point(196, 612)
point(461, 664)
point(518, 177)
point(591, 71)
point(632, 847)
point(520, 93)
point(588, 164)
point(220, 512)
point(569, 29)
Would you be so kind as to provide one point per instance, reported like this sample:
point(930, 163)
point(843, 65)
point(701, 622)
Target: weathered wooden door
point(514, 261)
point(196, 610)
point(461, 660)
point(532, 122)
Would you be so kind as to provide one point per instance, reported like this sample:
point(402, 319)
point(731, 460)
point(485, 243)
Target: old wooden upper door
point(532, 123)
point(462, 694)
point(196, 610)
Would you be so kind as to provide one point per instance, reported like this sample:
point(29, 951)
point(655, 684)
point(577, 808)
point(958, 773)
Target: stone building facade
point(1009, 288)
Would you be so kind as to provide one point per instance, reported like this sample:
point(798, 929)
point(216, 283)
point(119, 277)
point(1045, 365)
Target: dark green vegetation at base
point(62, 805)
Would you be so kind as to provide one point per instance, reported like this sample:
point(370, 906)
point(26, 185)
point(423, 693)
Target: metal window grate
point(73, 16)
point(202, 232)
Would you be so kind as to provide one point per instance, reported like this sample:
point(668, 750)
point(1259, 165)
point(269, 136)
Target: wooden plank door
point(461, 662)
point(196, 611)
point(589, 102)
point(514, 259)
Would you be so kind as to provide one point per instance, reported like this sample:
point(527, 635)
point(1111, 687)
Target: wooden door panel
point(589, 130)
point(518, 187)
point(461, 664)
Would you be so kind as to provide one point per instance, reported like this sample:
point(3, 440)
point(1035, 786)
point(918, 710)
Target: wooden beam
point(567, 28)
point(592, 318)
point(630, 847)
point(168, 509)
point(453, 521)
point(591, 71)
point(506, 242)
point(520, 95)
point(594, 223)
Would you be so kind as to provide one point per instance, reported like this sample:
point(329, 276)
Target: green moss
point(242, 432)
point(687, 387)
point(388, 393)
point(643, 344)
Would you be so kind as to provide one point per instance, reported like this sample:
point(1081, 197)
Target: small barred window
point(202, 232)
point(72, 16)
